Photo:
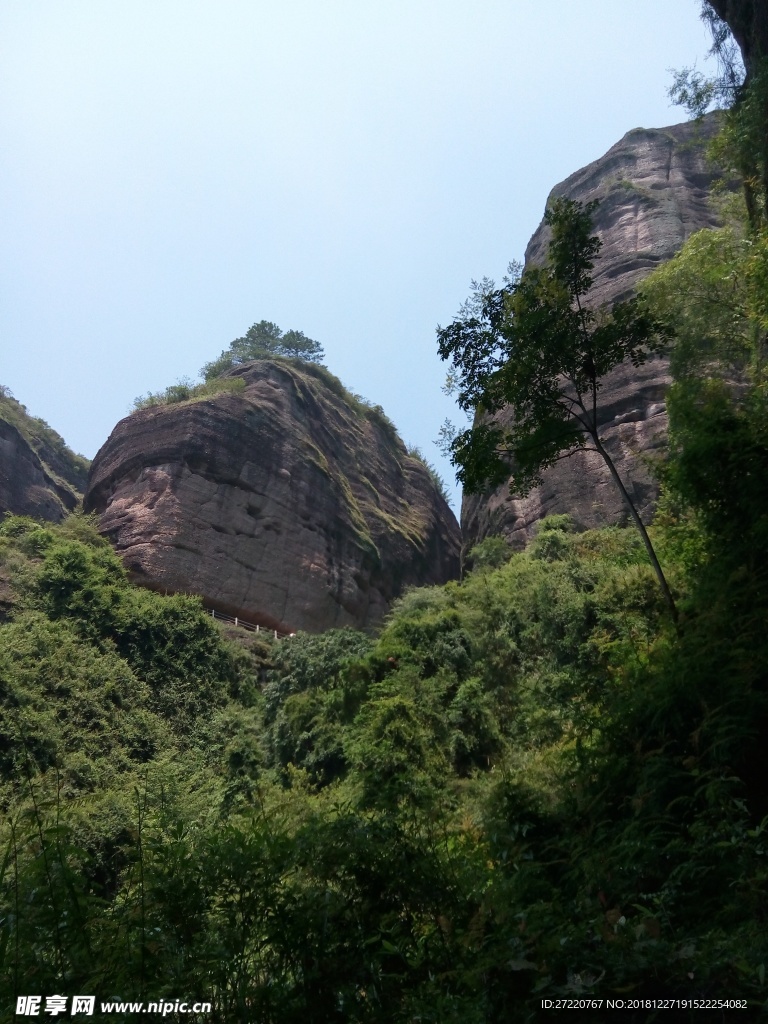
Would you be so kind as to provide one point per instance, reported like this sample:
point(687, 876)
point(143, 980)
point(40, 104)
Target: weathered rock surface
point(748, 22)
point(653, 189)
point(39, 475)
point(288, 504)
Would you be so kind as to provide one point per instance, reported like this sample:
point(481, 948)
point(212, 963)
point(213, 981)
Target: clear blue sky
point(174, 170)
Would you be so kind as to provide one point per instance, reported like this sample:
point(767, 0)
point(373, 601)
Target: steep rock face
point(288, 504)
point(39, 475)
point(653, 189)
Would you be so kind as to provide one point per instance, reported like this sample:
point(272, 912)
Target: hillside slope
point(39, 475)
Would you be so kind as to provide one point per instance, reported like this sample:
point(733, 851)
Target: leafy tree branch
point(537, 350)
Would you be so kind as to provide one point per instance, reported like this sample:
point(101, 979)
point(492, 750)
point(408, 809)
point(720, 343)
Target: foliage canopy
point(261, 341)
point(525, 787)
point(536, 352)
point(740, 89)
point(522, 788)
point(536, 348)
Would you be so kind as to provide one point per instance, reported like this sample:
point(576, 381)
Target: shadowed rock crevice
point(288, 504)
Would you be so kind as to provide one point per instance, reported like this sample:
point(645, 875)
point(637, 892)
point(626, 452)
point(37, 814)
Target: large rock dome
point(289, 504)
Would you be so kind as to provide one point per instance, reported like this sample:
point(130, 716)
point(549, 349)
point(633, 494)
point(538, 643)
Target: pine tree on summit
point(261, 341)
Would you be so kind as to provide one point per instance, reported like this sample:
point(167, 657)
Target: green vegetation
point(185, 390)
point(740, 88)
point(416, 453)
point(361, 406)
point(264, 340)
point(536, 349)
point(528, 786)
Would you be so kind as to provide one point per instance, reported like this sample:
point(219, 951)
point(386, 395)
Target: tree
point(739, 30)
point(262, 341)
point(299, 346)
point(537, 349)
point(715, 294)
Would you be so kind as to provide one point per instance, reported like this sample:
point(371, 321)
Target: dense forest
point(532, 784)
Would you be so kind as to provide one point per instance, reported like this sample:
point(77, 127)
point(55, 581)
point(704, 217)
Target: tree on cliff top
point(536, 349)
point(262, 341)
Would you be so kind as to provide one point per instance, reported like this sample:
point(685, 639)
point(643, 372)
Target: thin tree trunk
point(641, 527)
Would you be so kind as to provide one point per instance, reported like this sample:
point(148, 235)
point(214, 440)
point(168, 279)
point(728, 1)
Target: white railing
point(235, 620)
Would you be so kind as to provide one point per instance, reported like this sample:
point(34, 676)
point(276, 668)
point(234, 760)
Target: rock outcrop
point(748, 22)
point(39, 475)
point(289, 504)
point(653, 189)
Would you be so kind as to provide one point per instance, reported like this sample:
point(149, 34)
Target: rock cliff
point(653, 188)
point(748, 22)
point(39, 475)
point(289, 504)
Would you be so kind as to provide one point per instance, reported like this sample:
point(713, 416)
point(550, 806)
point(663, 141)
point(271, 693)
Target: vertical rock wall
point(653, 189)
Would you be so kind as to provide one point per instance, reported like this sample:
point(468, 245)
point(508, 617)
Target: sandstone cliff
point(653, 188)
point(39, 475)
point(289, 504)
